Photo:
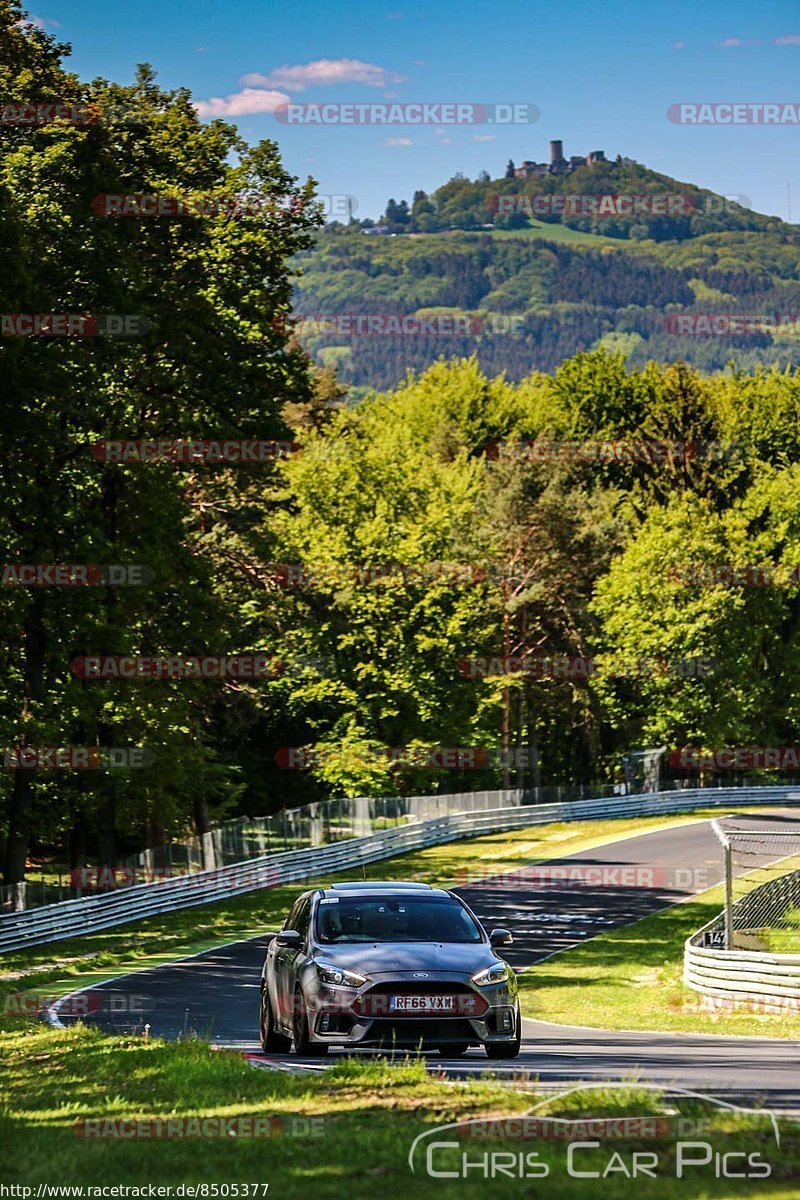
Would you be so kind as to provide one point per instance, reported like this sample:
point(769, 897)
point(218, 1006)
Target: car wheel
point(302, 1041)
point(269, 1036)
point(506, 1049)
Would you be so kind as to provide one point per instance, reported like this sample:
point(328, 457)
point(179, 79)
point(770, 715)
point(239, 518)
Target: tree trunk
point(35, 647)
point(533, 744)
point(506, 714)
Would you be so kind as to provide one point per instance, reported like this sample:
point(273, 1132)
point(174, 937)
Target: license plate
point(423, 1005)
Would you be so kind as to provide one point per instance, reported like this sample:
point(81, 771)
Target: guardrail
point(92, 914)
point(726, 973)
point(750, 975)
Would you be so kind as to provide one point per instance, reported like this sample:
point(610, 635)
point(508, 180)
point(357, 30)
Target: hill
point(539, 290)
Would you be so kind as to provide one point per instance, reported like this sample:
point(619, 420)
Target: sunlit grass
point(632, 978)
point(364, 1116)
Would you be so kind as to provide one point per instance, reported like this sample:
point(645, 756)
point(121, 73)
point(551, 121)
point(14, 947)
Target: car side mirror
point(500, 937)
point(290, 938)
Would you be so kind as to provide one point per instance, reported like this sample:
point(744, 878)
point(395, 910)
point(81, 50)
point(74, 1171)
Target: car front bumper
point(342, 1016)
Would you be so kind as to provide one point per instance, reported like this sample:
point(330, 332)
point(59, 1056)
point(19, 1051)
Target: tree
point(213, 362)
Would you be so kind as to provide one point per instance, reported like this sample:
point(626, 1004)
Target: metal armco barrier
point(92, 914)
point(748, 975)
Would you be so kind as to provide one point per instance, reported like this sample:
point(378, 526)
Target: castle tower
point(556, 153)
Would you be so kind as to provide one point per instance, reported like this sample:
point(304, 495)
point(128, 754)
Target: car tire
point(302, 1040)
point(269, 1037)
point(506, 1049)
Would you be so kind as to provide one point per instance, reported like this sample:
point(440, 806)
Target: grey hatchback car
point(387, 965)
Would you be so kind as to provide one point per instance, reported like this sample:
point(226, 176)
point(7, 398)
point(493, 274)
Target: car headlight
point(497, 973)
point(336, 975)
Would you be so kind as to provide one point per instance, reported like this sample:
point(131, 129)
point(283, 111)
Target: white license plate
point(423, 1004)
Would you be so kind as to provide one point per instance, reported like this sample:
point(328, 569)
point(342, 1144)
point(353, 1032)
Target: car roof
point(379, 887)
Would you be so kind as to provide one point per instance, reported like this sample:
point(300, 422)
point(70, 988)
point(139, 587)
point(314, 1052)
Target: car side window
point(302, 917)
point(294, 915)
point(299, 916)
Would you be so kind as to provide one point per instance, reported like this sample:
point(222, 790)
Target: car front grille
point(375, 1002)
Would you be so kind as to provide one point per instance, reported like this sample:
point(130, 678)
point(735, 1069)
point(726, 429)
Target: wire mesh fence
point(317, 824)
point(762, 889)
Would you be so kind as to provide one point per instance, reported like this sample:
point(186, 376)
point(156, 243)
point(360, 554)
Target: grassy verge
point(631, 978)
point(347, 1134)
point(61, 966)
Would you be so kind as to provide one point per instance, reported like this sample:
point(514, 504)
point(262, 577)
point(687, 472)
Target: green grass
point(631, 978)
point(786, 939)
point(558, 233)
point(366, 1114)
point(356, 1126)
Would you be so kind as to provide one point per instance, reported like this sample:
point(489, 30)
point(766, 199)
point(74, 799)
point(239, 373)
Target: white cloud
point(483, 137)
point(323, 72)
point(40, 23)
point(791, 39)
point(726, 43)
point(678, 45)
point(398, 142)
point(239, 104)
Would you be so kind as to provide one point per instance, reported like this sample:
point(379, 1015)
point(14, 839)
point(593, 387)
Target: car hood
point(376, 958)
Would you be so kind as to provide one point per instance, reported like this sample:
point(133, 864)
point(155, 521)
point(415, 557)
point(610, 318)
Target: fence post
point(728, 896)
point(209, 858)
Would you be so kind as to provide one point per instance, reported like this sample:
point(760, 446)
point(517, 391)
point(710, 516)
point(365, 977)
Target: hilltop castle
point(559, 165)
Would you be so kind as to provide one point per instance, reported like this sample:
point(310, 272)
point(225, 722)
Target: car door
point(286, 958)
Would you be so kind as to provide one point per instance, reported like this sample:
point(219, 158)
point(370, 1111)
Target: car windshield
point(394, 919)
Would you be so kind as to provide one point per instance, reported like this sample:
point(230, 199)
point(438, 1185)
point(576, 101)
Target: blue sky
point(602, 76)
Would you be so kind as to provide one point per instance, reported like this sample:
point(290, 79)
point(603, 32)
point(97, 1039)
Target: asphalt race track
point(215, 994)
